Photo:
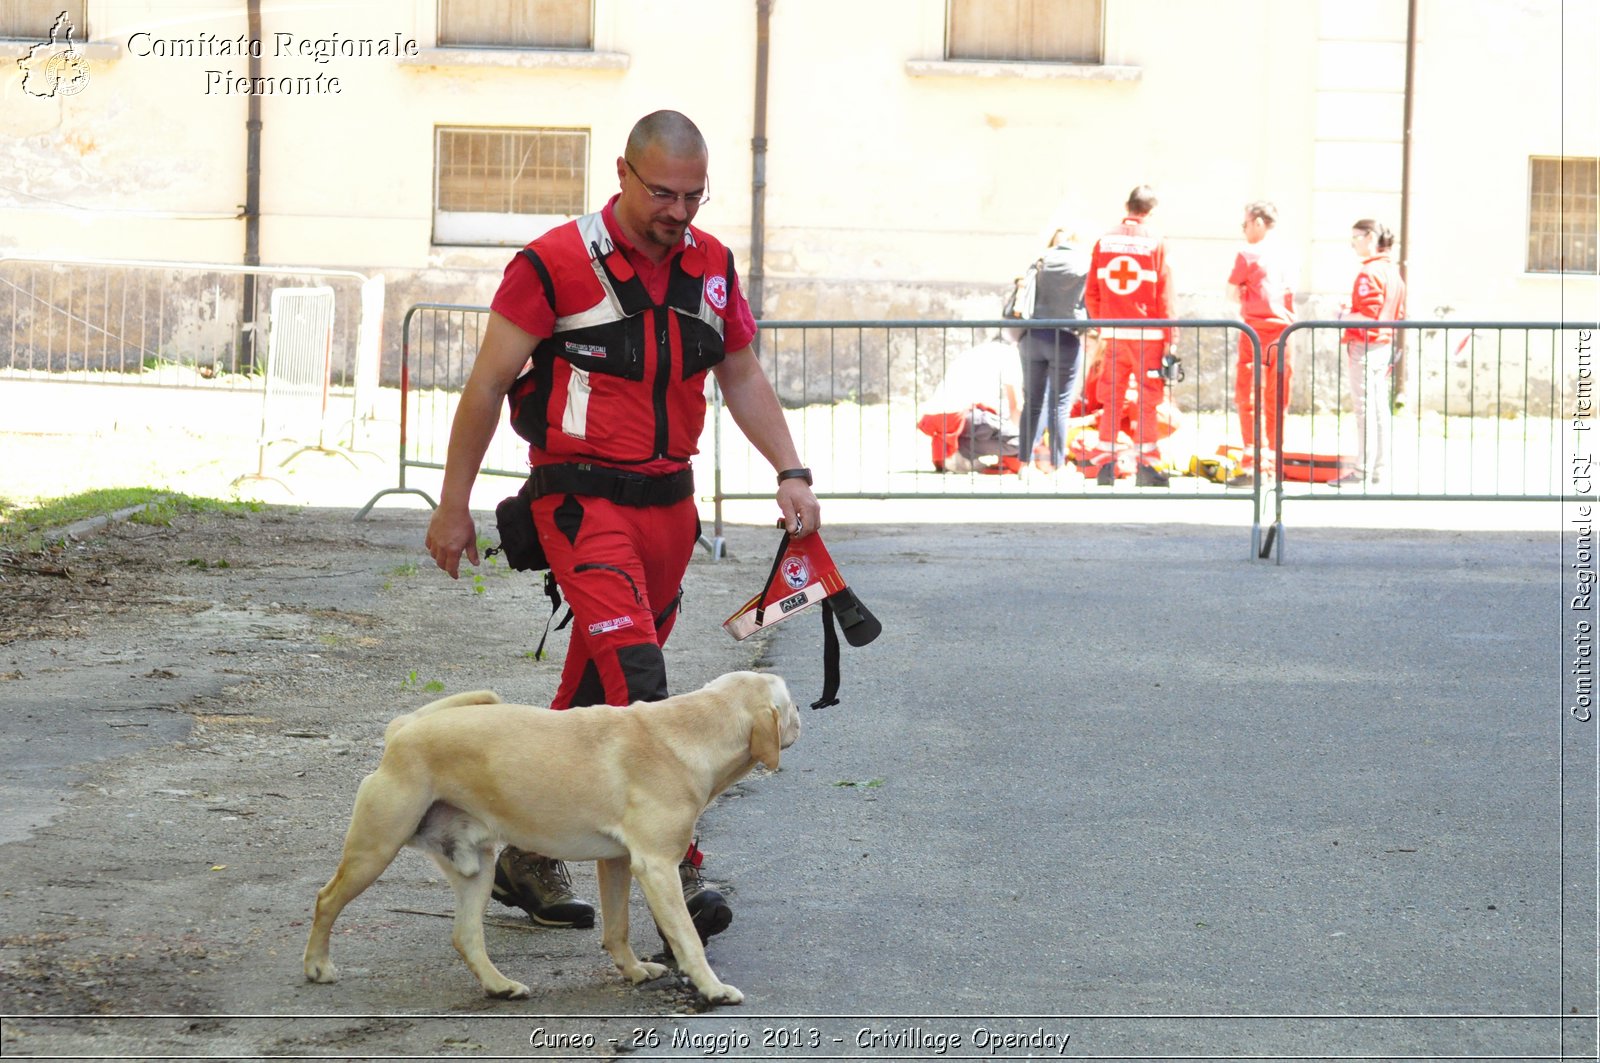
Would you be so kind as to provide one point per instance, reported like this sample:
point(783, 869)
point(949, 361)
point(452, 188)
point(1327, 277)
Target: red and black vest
point(622, 378)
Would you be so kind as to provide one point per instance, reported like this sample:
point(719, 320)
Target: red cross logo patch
point(796, 573)
point(1122, 274)
point(717, 291)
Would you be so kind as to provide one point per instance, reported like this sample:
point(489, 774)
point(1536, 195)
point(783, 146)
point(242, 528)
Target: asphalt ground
point(1115, 772)
point(1112, 790)
point(1106, 784)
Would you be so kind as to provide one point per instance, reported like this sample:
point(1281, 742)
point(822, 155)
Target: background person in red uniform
point(617, 316)
point(1379, 294)
point(1128, 278)
point(1262, 288)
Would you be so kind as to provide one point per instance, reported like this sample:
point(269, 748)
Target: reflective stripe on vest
point(614, 339)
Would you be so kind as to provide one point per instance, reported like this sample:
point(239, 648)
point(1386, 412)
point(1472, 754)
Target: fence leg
point(364, 510)
point(1274, 538)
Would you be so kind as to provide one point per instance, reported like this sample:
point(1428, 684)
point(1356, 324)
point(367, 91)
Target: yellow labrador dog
point(620, 785)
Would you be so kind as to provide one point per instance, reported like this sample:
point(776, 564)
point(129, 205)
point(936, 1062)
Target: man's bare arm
point(501, 356)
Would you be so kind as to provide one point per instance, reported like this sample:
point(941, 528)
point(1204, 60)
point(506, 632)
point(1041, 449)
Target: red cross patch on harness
point(796, 573)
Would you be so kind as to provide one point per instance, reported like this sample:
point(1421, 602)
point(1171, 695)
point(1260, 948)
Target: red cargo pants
point(620, 569)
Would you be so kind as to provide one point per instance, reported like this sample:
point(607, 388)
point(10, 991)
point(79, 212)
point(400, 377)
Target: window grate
point(29, 20)
point(1563, 201)
point(513, 171)
point(1048, 31)
point(523, 24)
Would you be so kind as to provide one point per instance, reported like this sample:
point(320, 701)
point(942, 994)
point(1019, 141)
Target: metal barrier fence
point(1436, 431)
point(438, 344)
point(860, 396)
point(857, 395)
point(187, 325)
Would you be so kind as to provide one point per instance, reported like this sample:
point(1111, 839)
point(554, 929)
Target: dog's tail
point(474, 697)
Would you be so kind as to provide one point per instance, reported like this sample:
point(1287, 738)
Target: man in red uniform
point(601, 335)
point(1261, 287)
point(1129, 279)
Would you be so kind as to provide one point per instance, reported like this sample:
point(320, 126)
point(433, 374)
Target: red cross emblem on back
point(1122, 274)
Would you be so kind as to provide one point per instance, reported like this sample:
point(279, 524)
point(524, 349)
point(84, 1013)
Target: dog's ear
point(765, 737)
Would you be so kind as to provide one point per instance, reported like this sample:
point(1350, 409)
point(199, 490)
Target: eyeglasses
point(667, 199)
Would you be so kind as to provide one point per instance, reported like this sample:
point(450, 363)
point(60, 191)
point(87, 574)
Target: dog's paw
point(322, 972)
point(509, 991)
point(645, 971)
point(725, 994)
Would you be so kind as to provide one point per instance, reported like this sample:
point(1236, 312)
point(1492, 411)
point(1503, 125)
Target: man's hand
point(802, 513)
point(451, 533)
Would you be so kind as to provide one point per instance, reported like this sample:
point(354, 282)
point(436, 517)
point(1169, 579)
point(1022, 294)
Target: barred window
point(521, 24)
point(495, 187)
point(1047, 31)
point(29, 20)
point(1562, 209)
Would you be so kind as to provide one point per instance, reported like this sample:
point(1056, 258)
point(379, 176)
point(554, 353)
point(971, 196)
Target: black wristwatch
point(795, 474)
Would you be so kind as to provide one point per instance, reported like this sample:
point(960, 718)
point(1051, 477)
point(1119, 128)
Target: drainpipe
point(1405, 145)
point(758, 150)
point(1402, 369)
point(758, 240)
point(252, 197)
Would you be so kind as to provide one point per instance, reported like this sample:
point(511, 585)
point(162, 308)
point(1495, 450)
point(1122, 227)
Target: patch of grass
point(412, 682)
point(405, 571)
point(25, 526)
point(168, 506)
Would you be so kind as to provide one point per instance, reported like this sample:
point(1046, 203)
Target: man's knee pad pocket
point(645, 669)
point(590, 690)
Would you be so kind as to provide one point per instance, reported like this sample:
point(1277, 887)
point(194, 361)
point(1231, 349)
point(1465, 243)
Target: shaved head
point(671, 132)
point(661, 178)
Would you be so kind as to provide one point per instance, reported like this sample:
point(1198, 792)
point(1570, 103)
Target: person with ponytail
point(1379, 295)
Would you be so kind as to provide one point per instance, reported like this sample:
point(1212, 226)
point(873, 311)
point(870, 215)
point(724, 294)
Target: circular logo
point(717, 291)
point(796, 573)
point(1122, 274)
point(66, 74)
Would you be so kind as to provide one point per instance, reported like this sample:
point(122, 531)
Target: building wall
point(898, 185)
point(1516, 80)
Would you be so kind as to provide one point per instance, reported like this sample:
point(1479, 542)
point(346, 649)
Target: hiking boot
point(707, 907)
point(1150, 476)
point(541, 887)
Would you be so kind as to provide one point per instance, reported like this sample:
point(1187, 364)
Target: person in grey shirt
point(1051, 357)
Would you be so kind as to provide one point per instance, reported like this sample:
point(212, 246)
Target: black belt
point(615, 485)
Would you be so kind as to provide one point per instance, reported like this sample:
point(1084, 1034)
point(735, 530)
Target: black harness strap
point(545, 280)
point(830, 659)
point(761, 609)
point(552, 592)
